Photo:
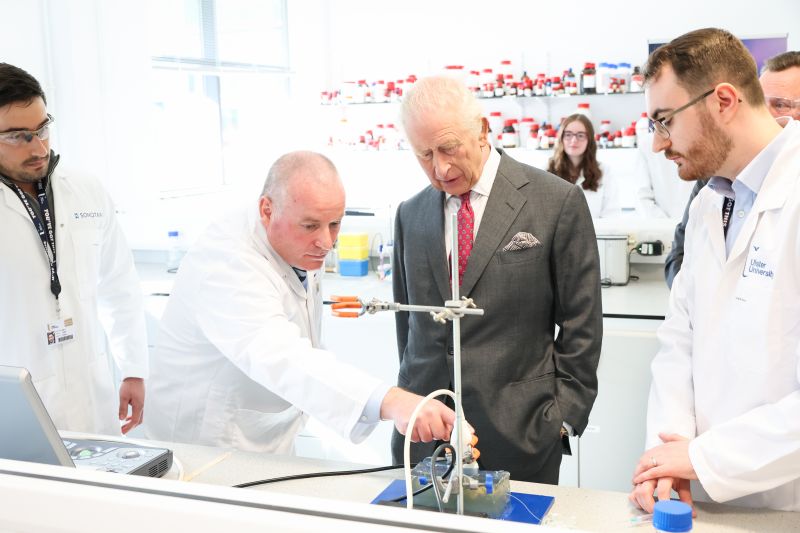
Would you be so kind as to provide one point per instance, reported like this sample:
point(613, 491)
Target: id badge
point(60, 332)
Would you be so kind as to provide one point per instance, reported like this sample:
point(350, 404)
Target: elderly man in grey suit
point(528, 257)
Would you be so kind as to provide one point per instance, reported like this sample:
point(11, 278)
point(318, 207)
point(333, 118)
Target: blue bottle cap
point(673, 516)
point(172, 233)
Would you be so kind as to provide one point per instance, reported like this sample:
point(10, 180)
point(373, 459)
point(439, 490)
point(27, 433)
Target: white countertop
point(574, 508)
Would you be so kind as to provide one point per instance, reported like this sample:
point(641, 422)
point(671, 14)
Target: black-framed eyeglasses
point(660, 125)
point(580, 136)
point(18, 137)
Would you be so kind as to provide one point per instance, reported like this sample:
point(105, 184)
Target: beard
point(22, 173)
point(706, 156)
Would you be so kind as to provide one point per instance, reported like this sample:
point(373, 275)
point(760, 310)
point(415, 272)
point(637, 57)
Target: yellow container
point(348, 240)
point(358, 253)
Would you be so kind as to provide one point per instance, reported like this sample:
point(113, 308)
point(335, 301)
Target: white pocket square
point(521, 241)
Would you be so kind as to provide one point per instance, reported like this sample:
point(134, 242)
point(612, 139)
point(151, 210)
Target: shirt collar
point(484, 184)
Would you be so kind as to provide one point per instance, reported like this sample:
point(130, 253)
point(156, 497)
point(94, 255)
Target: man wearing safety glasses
point(67, 279)
point(722, 415)
point(780, 79)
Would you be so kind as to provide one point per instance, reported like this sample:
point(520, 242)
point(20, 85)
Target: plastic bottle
point(496, 124)
point(510, 85)
point(601, 78)
point(583, 107)
point(624, 74)
point(379, 93)
point(527, 88)
point(629, 137)
point(670, 516)
point(525, 126)
point(384, 268)
point(499, 89)
point(588, 79)
point(637, 81)
point(506, 70)
point(487, 76)
point(174, 251)
point(642, 129)
point(510, 138)
point(569, 77)
point(610, 78)
point(532, 142)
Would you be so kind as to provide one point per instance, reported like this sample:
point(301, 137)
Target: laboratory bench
point(207, 473)
point(573, 508)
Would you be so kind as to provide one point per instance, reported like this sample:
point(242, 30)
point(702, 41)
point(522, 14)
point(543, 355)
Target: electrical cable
point(407, 440)
point(606, 282)
point(317, 474)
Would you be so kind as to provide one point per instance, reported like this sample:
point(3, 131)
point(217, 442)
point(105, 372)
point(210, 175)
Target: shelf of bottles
point(490, 86)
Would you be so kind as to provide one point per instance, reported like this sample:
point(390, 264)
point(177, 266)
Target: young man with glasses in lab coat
point(780, 80)
point(67, 277)
point(726, 382)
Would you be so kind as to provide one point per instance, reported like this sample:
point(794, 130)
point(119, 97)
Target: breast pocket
point(87, 245)
point(519, 256)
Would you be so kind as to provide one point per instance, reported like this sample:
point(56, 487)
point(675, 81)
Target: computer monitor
point(28, 433)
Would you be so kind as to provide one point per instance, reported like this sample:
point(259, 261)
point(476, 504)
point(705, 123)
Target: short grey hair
point(442, 93)
point(287, 166)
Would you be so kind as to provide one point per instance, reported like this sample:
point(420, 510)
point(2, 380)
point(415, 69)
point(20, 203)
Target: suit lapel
point(502, 209)
point(432, 227)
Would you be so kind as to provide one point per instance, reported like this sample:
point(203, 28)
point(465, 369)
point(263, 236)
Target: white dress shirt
point(478, 197)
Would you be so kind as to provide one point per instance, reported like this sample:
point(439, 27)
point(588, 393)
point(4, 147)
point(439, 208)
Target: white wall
point(23, 38)
point(376, 38)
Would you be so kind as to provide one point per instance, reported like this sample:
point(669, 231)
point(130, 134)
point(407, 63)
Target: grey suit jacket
point(519, 381)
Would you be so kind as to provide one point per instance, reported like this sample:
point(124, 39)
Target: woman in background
point(575, 160)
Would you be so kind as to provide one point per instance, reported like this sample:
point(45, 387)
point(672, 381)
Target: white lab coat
point(100, 291)
point(605, 201)
point(728, 372)
point(660, 192)
point(237, 362)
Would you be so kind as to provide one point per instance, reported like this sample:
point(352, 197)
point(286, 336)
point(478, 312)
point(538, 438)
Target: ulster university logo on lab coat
point(758, 273)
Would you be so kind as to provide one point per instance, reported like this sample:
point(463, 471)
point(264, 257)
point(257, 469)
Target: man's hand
point(661, 469)
point(434, 422)
point(131, 393)
point(670, 459)
point(642, 494)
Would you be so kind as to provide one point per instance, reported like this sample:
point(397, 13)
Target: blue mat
point(527, 508)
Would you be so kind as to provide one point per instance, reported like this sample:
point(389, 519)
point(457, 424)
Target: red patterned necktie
point(466, 225)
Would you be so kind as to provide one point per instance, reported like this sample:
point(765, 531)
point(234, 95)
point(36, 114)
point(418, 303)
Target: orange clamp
point(347, 302)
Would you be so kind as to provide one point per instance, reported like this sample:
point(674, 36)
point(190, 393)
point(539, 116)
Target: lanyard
point(727, 209)
point(45, 230)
